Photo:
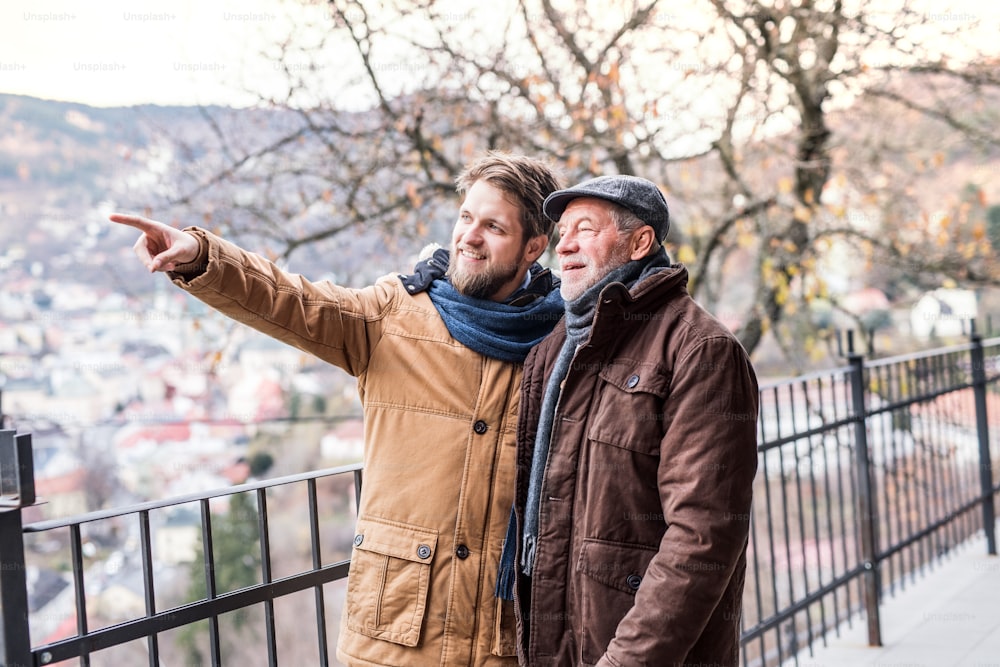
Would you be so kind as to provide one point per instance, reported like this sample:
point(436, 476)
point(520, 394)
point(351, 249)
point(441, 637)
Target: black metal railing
point(85, 641)
point(869, 474)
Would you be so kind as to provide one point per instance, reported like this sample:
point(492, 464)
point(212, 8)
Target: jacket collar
point(646, 294)
point(615, 300)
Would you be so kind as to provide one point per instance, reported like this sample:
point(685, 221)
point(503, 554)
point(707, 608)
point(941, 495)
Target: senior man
point(636, 452)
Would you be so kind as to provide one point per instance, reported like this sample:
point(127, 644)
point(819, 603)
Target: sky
point(125, 52)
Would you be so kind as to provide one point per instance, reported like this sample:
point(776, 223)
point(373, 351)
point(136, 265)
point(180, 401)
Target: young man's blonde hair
point(527, 181)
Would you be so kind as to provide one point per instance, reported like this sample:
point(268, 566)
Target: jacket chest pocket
point(629, 410)
point(389, 580)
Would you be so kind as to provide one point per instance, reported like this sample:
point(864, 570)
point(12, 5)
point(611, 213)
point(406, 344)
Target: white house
point(943, 313)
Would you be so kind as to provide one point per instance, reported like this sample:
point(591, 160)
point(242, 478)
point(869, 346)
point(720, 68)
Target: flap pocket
point(633, 376)
point(614, 571)
point(389, 580)
point(398, 540)
point(615, 564)
point(630, 406)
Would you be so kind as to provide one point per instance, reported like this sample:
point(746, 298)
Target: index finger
point(137, 221)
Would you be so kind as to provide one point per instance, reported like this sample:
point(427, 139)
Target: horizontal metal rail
point(100, 515)
point(187, 614)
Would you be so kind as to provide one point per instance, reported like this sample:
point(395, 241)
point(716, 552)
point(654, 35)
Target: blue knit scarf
point(496, 330)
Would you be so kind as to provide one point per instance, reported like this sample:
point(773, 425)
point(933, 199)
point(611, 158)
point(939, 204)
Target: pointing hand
point(161, 247)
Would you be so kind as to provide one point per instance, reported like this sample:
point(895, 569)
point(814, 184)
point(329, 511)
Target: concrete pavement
point(948, 617)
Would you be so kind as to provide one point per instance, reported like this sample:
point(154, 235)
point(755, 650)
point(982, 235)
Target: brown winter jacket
point(645, 503)
point(440, 424)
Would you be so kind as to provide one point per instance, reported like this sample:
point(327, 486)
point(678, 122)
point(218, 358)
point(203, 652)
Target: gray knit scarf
point(579, 320)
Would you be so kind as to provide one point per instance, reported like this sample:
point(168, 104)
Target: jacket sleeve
point(336, 324)
point(708, 459)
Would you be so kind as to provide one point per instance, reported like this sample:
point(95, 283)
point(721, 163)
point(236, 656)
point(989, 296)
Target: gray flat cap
point(638, 195)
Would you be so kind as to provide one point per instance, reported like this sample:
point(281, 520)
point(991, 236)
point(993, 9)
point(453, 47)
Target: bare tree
point(777, 129)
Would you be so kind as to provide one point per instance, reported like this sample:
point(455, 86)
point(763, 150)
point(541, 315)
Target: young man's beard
point(482, 284)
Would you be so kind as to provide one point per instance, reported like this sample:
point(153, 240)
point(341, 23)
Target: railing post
point(866, 498)
point(3, 417)
point(17, 489)
point(982, 429)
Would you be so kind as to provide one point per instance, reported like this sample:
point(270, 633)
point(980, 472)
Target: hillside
point(65, 166)
point(54, 145)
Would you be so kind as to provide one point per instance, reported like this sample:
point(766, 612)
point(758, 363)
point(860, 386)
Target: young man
point(438, 360)
point(636, 452)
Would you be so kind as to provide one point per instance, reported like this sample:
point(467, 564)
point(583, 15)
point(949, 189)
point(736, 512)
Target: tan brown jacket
point(440, 425)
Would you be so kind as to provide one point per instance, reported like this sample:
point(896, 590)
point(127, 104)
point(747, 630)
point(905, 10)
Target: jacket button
point(633, 381)
point(480, 427)
point(358, 539)
point(423, 551)
point(462, 551)
point(633, 581)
